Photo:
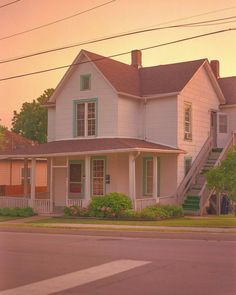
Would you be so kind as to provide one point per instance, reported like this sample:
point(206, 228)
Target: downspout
point(144, 118)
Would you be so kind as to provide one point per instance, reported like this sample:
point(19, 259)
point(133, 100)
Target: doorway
point(213, 127)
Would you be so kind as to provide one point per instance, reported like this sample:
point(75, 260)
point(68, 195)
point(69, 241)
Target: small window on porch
point(148, 176)
point(223, 123)
point(28, 175)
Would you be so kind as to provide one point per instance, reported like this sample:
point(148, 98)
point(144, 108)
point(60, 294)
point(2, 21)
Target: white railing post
point(155, 177)
point(25, 180)
point(87, 195)
point(33, 178)
point(132, 192)
point(51, 184)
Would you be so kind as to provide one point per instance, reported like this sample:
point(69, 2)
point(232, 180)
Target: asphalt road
point(72, 264)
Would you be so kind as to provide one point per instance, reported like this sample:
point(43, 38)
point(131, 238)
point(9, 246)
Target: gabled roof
point(91, 146)
point(168, 78)
point(140, 82)
point(13, 141)
point(228, 86)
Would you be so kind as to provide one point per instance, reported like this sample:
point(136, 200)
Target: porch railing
point(41, 205)
point(205, 192)
point(194, 170)
point(74, 202)
point(12, 202)
point(145, 202)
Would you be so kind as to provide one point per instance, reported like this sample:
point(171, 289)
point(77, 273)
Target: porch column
point(155, 167)
point(25, 179)
point(87, 194)
point(50, 182)
point(33, 176)
point(132, 191)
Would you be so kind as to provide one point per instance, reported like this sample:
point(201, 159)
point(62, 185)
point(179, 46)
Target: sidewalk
point(25, 221)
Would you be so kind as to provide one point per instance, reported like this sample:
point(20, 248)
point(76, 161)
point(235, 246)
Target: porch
point(148, 175)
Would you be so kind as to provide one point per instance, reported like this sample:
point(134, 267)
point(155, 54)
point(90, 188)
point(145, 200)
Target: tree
point(31, 121)
point(223, 177)
point(2, 137)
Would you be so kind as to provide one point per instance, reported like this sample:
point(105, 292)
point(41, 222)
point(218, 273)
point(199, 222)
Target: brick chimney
point(215, 66)
point(136, 58)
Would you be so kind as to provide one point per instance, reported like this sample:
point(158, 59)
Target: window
point(187, 121)
point(85, 82)
point(187, 164)
point(76, 178)
point(148, 176)
point(85, 118)
point(23, 171)
point(98, 177)
point(223, 122)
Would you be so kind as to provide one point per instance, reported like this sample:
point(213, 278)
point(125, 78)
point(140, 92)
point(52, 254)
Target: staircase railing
point(205, 193)
point(196, 167)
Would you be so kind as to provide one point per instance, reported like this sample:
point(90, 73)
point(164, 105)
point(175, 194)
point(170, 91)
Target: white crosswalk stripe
point(76, 279)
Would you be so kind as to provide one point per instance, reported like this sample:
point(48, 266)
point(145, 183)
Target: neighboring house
point(12, 170)
point(127, 128)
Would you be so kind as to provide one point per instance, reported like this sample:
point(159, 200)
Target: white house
point(143, 131)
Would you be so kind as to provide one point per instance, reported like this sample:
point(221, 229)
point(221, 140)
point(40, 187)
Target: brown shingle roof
point(228, 86)
point(90, 146)
point(168, 78)
point(13, 141)
point(123, 77)
point(145, 81)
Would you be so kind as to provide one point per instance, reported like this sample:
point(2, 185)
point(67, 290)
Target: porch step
point(191, 205)
point(217, 150)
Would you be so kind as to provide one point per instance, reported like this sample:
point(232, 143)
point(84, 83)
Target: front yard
point(213, 221)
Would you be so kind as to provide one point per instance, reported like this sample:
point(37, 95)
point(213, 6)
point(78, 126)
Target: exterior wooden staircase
point(191, 203)
point(193, 193)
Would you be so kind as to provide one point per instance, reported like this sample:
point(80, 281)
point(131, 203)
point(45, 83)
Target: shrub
point(15, 212)
point(110, 205)
point(76, 211)
point(154, 212)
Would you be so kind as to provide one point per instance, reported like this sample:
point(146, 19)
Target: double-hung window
point(223, 123)
point(148, 176)
point(187, 121)
point(25, 173)
point(85, 118)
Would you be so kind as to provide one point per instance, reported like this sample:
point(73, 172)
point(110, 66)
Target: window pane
point(80, 119)
point(222, 123)
point(98, 177)
point(75, 173)
point(85, 82)
point(76, 188)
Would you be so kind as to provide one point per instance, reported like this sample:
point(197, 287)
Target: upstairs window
point(187, 121)
point(223, 123)
point(85, 82)
point(85, 118)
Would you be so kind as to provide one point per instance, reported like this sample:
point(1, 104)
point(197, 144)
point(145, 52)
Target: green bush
point(16, 212)
point(76, 211)
point(110, 205)
point(154, 212)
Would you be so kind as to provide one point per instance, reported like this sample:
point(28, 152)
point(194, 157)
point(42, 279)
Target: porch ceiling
point(91, 146)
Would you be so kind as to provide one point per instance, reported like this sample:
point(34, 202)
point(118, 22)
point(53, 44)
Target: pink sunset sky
point(117, 17)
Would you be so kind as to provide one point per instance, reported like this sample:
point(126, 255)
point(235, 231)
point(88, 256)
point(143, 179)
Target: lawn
point(7, 218)
point(214, 221)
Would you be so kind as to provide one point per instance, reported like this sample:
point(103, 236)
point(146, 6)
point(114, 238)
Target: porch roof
point(91, 146)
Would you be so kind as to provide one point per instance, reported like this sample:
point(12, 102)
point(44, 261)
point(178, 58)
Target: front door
point(98, 176)
point(214, 128)
point(76, 187)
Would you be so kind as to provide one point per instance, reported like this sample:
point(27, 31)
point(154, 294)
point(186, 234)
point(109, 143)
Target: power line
point(10, 3)
point(193, 24)
point(118, 54)
point(56, 21)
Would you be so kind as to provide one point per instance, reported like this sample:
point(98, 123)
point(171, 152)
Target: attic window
point(85, 82)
